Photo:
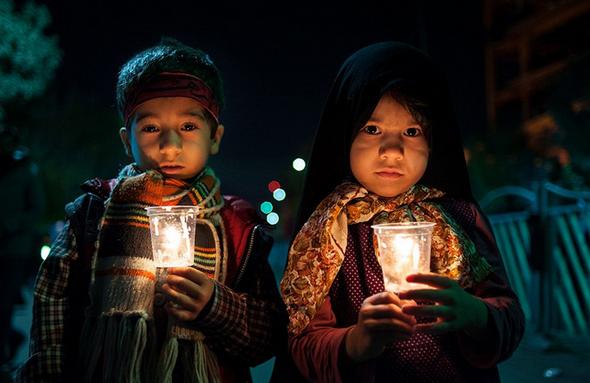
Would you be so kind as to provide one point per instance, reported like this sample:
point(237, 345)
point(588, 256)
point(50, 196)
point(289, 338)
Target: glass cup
point(172, 230)
point(402, 249)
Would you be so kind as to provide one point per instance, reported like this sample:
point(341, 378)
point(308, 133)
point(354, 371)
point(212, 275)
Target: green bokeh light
point(266, 207)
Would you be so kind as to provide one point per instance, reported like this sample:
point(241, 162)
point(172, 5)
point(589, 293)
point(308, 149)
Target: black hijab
point(363, 79)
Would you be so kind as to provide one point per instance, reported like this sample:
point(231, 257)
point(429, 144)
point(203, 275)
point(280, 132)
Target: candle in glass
point(402, 249)
point(172, 230)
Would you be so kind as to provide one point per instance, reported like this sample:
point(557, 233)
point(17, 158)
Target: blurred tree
point(28, 58)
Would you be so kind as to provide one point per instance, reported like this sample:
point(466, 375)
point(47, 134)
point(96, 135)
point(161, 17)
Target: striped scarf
point(318, 249)
point(119, 339)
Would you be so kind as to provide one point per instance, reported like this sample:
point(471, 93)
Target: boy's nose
point(391, 147)
point(170, 142)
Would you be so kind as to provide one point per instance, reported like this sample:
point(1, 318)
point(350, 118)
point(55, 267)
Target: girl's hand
point(189, 291)
point(454, 308)
point(380, 321)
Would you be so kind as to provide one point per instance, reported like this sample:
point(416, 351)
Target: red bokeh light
point(273, 185)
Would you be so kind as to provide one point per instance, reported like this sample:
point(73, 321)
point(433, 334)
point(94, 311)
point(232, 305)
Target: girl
point(388, 150)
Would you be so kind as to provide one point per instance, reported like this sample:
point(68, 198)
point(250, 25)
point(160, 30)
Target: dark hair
point(417, 105)
point(169, 56)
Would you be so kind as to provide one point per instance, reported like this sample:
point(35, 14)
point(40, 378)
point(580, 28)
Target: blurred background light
point(273, 185)
point(45, 251)
point(266, 207)
point(299, 164)
point(279, 194)
point(272, 218)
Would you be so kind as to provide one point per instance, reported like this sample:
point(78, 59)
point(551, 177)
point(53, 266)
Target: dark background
point(278, 60)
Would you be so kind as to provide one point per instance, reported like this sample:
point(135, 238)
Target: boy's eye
point(189, 126)
point(149, 129)
point(371, 129)
point(413, 132)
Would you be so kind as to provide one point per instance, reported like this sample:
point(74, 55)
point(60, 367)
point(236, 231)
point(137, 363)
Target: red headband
point(168, 84)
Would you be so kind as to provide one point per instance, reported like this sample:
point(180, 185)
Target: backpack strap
point(84, 214)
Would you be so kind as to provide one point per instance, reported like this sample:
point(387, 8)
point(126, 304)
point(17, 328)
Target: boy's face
point(390, 153)
point(171, 135)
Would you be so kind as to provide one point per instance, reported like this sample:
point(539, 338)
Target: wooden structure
point(529, 42)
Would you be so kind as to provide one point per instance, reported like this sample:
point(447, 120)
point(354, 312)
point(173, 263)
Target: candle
point(402, 249)
point(172, 230)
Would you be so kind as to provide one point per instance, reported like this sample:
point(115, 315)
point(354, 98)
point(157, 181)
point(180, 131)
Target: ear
point(216, 140)
point(124, 135)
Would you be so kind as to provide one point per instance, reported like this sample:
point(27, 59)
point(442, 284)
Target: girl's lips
point(389, 174)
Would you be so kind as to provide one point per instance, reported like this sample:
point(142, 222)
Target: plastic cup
point(172, 230)
point(402, 249)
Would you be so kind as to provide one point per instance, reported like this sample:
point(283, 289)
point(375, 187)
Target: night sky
point(278, 61)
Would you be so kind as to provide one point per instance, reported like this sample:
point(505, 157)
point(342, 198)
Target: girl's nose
point(170, 142)
point(391, 147)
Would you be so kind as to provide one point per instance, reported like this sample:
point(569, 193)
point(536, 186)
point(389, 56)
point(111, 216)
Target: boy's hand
point(189, 290)
point(380, 321)
point(454, 308)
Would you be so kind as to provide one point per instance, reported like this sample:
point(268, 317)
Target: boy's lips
point(171, 168)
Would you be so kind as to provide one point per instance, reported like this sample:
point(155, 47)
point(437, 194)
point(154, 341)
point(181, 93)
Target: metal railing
point(545, 246)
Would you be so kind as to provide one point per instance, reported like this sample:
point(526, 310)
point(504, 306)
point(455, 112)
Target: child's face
point(171, 135)
point(390, 153)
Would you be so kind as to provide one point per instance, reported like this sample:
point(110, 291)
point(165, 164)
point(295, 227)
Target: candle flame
point(172, 237)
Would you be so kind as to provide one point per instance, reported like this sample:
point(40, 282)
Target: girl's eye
point(371, 129)
point(189, 127)
point(149, 129)
point(413, 132)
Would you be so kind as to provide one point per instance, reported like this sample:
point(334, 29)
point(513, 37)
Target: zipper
point(246, 256)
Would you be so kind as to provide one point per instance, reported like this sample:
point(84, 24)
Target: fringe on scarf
point(167, 361)
point(123, 337)
point(199, 363)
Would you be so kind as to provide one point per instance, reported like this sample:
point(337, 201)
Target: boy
point(216, 318)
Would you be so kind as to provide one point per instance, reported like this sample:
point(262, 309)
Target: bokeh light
point(273, 185)
point(299, 164)
point(266, 207)
point(279, 194)
point(272, 218)
point(45, 251)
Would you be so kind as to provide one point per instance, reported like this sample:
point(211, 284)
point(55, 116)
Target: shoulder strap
point(84, 214)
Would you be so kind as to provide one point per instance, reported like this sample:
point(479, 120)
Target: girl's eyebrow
point(377, 120)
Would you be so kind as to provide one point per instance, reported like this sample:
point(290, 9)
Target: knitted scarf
point(318, 249)
point(119, 339)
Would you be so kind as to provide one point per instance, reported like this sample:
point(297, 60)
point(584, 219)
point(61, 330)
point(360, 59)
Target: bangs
point(417, 105)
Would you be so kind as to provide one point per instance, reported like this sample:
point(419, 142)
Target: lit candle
point(402, 249)
point(173, 234)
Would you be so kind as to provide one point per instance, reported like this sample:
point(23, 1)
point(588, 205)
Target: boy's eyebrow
point(190, 112)
point(194, 113)
point(141, 116)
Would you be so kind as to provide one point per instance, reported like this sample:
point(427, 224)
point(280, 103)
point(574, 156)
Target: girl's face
point(390, 153)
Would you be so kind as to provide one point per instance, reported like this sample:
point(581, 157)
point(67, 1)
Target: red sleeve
point(316, 351)
point(505, 317)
